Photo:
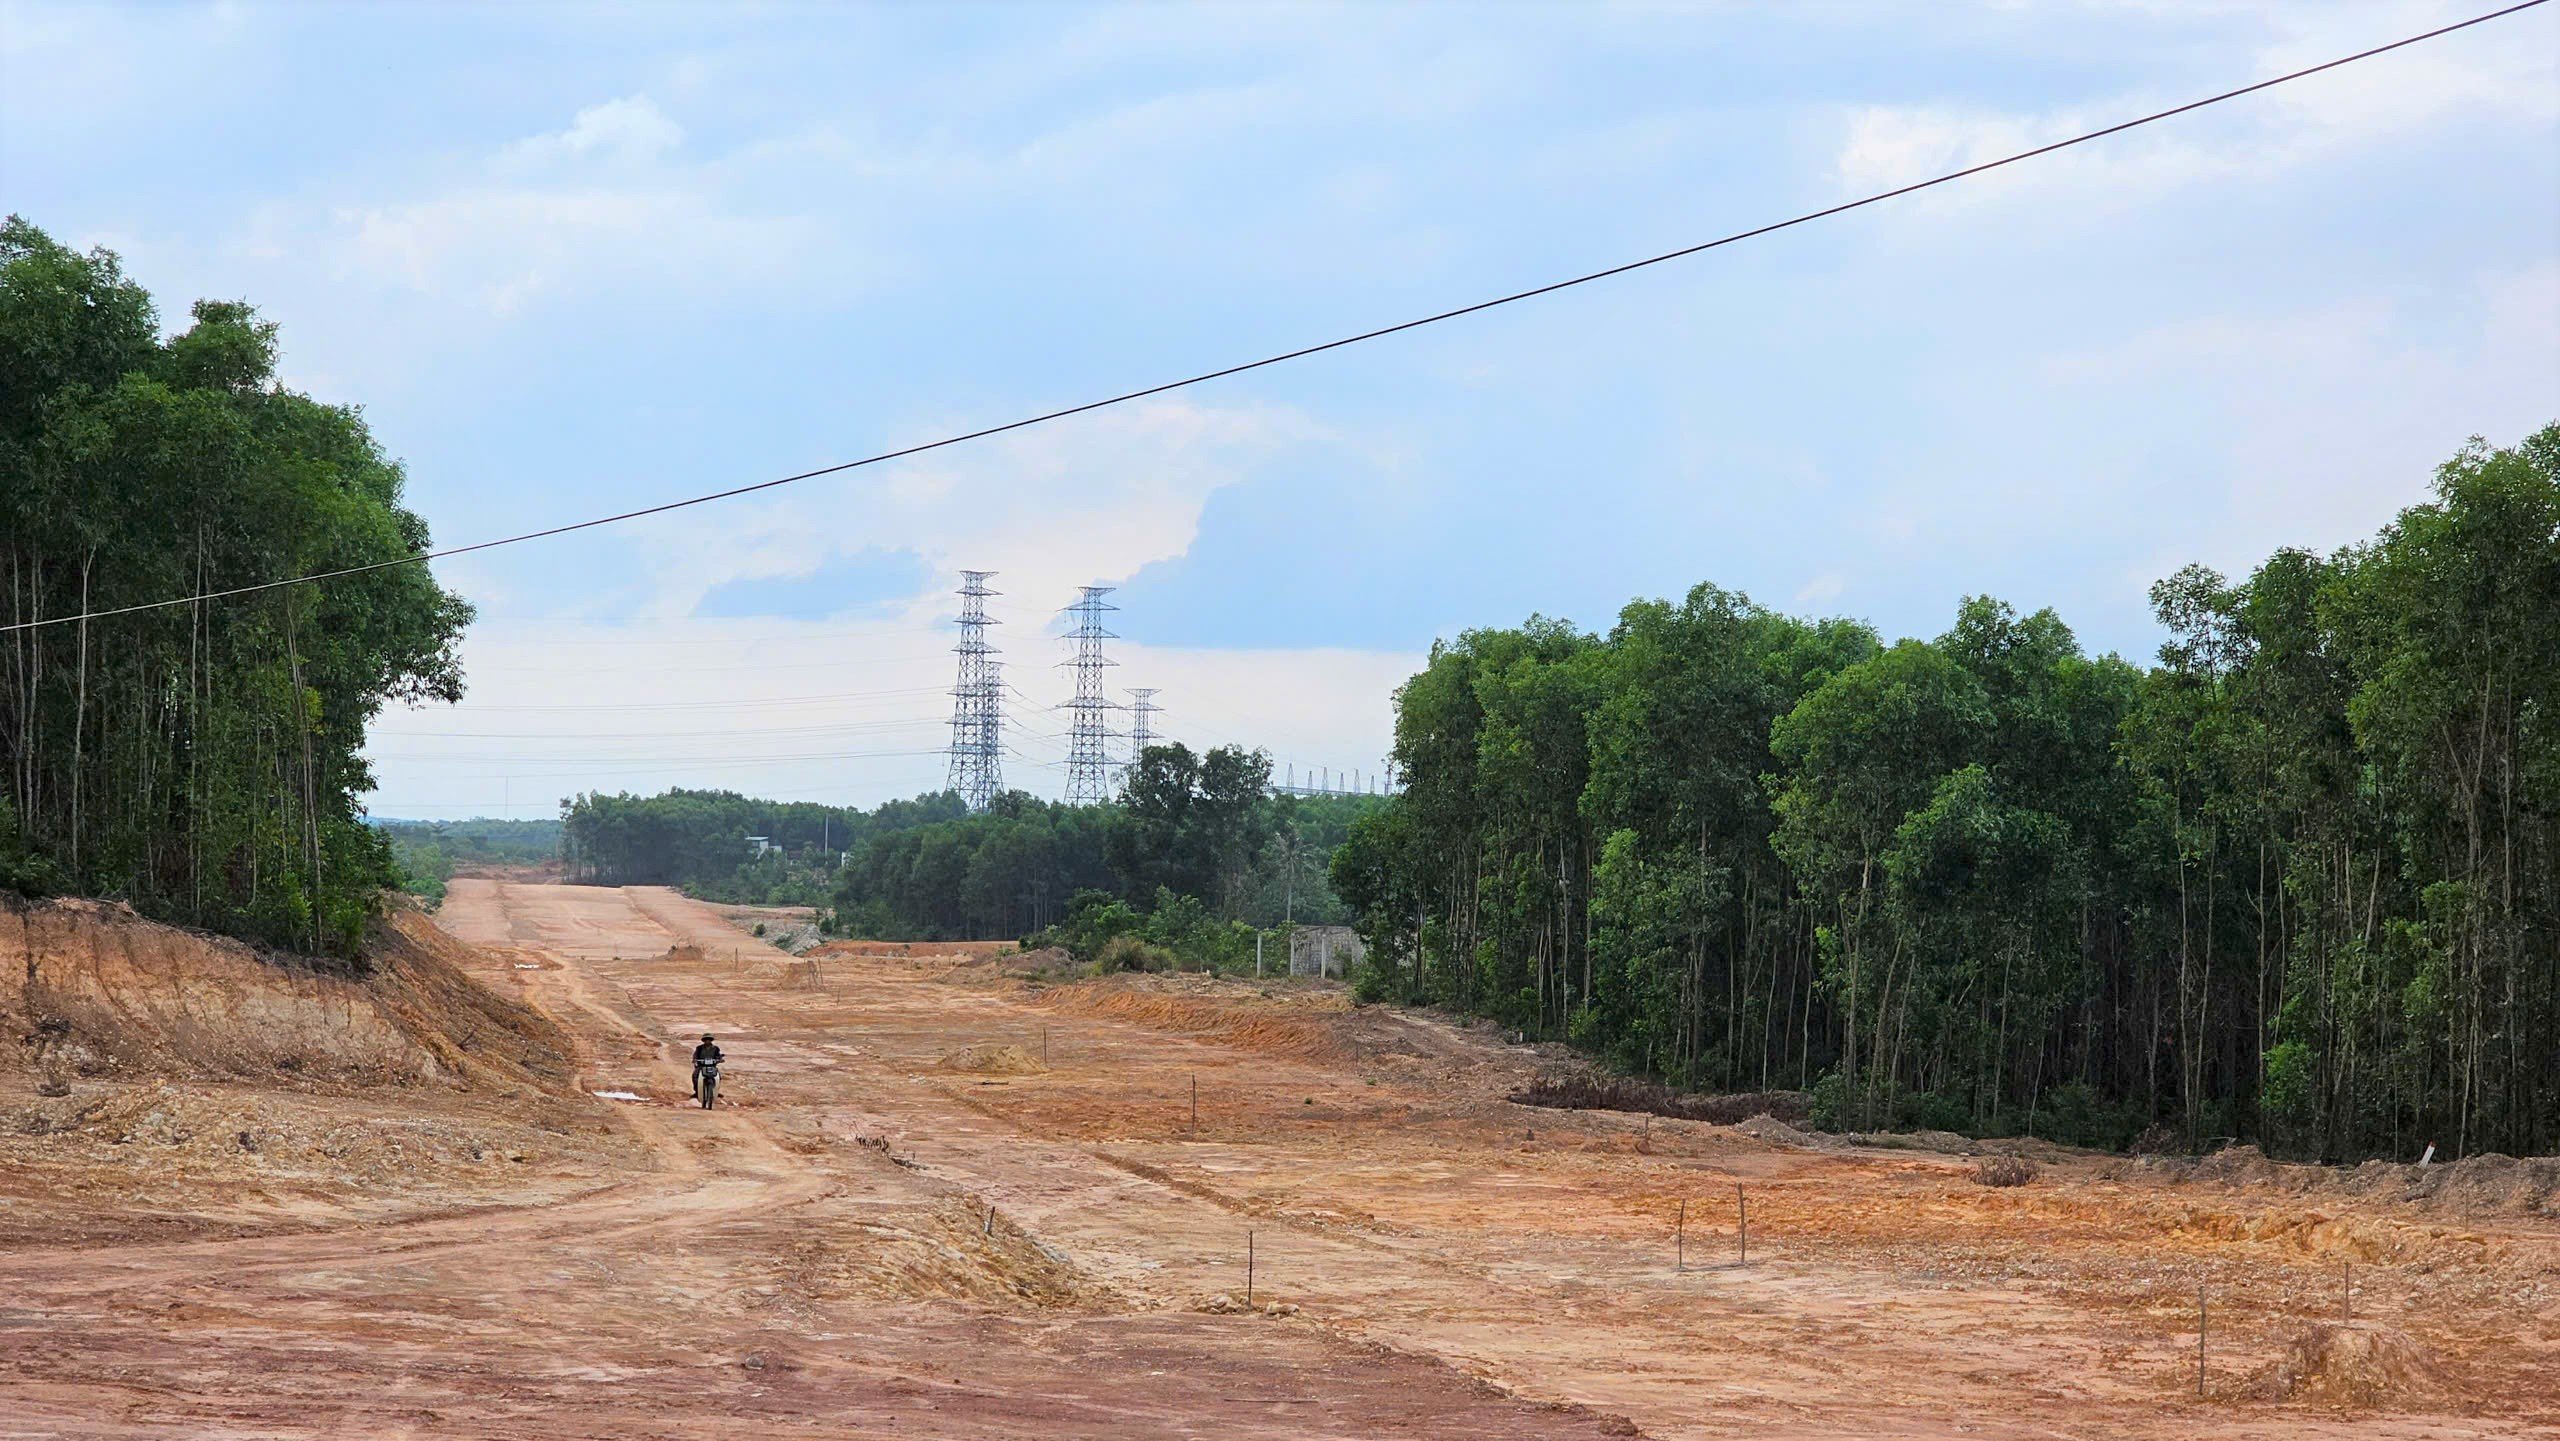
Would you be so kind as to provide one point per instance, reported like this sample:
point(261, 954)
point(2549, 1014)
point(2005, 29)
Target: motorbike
point(706, 1082)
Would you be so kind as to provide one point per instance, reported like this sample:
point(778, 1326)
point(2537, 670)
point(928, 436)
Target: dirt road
point(902, 1228)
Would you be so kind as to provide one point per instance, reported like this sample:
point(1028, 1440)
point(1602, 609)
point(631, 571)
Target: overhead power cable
point(679, 668)
point(498, 758)
point(576, 634)
point(691, 765)
point(720, 705)
point(1302, 352)
point(590, 737)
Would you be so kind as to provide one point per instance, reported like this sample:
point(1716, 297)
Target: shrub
point(1830, 1108)
point(1371, 984)
point(1128, 953)
point(2003, 1171)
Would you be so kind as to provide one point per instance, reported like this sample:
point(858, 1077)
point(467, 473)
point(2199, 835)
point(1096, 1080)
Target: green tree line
point(697, 839)
point(199, 760)
point(2298, 880)
point(1194, 839)
point(425, 852)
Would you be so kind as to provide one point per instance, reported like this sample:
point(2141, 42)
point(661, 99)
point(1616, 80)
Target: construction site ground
point(954, 1194)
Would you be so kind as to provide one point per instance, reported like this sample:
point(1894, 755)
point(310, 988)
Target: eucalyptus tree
point(201, 760)
point(2298, 880)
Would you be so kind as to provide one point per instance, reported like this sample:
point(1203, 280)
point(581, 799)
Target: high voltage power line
point(586, 737)
point(795, 666)
point(727, 640)
point(691, 763)
point(751, 703)
point(1302, 352)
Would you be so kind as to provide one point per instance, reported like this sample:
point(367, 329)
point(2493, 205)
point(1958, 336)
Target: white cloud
point(630, 131)
point(560, 706)
point(1094, 498)
point(607, 203)
point(2482, 74)
point(2331, 419)
point(852, 713)
point(499, 248)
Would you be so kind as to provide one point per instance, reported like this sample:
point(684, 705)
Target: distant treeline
point(698, 840)
point(1202, 827)
point(426, 852)
point(2298, 881)
point(199, 760)
point(1198, 827)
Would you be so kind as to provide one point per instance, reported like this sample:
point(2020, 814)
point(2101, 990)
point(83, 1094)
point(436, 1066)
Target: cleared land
point(955, 1199)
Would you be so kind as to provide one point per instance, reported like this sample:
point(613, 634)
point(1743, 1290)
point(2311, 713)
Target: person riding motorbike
point(706, 1054)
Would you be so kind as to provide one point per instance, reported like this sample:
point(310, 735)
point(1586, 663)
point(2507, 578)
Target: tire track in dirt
point(778, 1273)
point(621, 1211)
point(1809, 1339)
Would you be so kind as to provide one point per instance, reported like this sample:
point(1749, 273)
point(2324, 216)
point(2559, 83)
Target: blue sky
point(570, 259)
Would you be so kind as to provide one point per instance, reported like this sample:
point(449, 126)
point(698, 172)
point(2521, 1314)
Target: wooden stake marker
point(2200, 1336)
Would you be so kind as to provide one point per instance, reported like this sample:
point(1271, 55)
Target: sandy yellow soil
point(949, 1200)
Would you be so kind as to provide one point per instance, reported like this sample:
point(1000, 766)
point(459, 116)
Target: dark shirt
point(705, 1052)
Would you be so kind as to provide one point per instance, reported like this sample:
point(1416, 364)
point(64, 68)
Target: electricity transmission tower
point(1088, 750)
point(1142, 730)
point(977, 700)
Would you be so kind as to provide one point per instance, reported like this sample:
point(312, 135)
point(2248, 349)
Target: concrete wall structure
point(1324, 950)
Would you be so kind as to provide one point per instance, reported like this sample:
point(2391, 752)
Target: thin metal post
point(1742, 1208)
point(1195, 1104)
point(1680, 1239)
point(2347, 1299)
point(1044, 1045)
point(2200, 1336)
point(1248, 1266)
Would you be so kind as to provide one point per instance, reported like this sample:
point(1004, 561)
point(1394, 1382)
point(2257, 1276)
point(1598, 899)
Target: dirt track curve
point(889, 1234)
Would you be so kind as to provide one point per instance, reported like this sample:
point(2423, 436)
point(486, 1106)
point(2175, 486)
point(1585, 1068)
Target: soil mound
point(995, 1060)
point(2352, 1366)
point(918, 950)
point(1298, 1019)
point(1779, 1133)
point(1300, 1027)
point(180, 1126)
point(2492, 1185)
point(2475, 1186)
point(2244, 1165)
point(954, 1251)
point(2004, 1171)
point(103, 992)
point(1584, 1091)
point(1049, 963)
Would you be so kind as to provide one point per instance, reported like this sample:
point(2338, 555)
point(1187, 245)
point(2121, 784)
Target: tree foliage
point(2299, 881)
point(200, 760)
point(1198, 830)
point(698, 840)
